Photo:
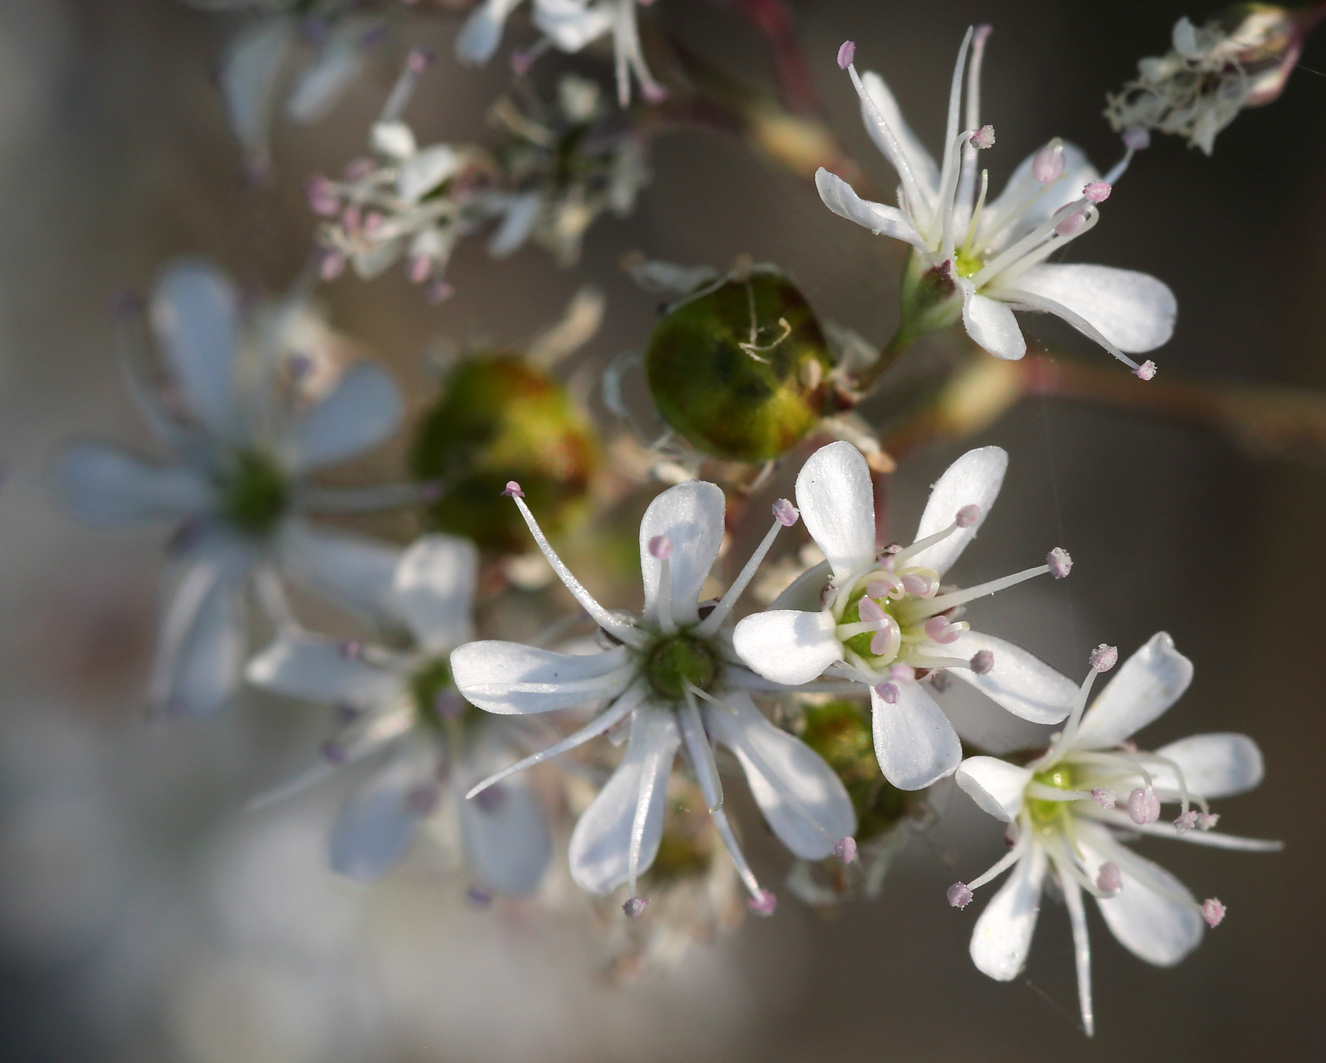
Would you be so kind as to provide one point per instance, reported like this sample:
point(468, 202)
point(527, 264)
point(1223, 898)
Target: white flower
point(984, 259)
point(429, 747)
point(254, 63)
point(673, 675)
point(885, 619)
point(1065, 819)
point(568, 25)
point(242, 441)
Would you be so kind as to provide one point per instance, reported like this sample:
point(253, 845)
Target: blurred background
point(145, 916)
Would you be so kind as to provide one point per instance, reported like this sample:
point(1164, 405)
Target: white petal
point(194, 312)
point(1134, 311)
point(203, 639)
point(803, 801)
point(521, 212)
point(433, 590)
point(248, 77)
point(915, 743)
point(1002, 937)
point(507, 838)
point(335, 68)
point(1151, 926)
point(508, 677)
point(690, 516)
point(913, 151)
point(1019, 682)
point(424, 171)
point(377, 825)
point(363, 410)
point(1147, 684)
point(973, 480)
point(347, 570)
point(393, 138)
point(1213, 765)
point(1022, 186)
point(788, 646)
point(601, 842)
point(109, 487)
point(317, 669)
point(880, 219)
point(482, 32)
point(991, 324)
point(994, 784)
point(837, 501)
point(572, 24)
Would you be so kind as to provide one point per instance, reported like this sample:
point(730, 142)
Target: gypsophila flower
point(569, 26)
point(243, 437)
point(402, 713)
point(980, 260)
point(555, 172)
point(886, 621)
point(1240, 59)
point(1063, 821)
point(671, 676)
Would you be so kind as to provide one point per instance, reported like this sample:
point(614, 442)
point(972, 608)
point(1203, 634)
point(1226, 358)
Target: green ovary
point(678, 660)
point(968, 264)
point(255, 494)
point(1051, 813)
point(860, 644)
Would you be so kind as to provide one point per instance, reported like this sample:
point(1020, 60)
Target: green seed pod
point(500, 419)
point(741, 370)
point(839, 731)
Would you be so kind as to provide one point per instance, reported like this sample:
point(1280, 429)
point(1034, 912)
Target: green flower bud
point(839, 731)
point(499, 419)
point(741, 369)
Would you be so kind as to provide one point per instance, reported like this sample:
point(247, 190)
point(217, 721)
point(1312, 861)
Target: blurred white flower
point(672, 673)
point(569, 26)
point(982, 260)
point(427, 745)
point(243, 439)
point(1063, 816)
point(884, 620)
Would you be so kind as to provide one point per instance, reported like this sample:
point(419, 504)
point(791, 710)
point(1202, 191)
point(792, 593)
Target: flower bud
point(741, 369)
point(841, 734)
point(498, 419)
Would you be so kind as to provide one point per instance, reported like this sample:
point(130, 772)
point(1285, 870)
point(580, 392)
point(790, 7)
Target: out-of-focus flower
point(740, 367)
point(672, 674)
point(979, 260)
point(884, 620)
point(569, 26)
point(1241, 58)
point(428, 746)
point(243, 438)
point(1066, 816)
point(331, 34)
point(556, 171)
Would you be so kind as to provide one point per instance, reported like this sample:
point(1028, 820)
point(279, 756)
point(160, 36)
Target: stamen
point(1103, 796)
point(887, 586)
point(415, 65)
point(763, 905)
point(888, 693)
point(743, 869)
point(944, 602)
point(784, 512)
point(846, 54)
point(785, 515)
point(1110, 880)
point(845, 850)
point(660, 547)
point(967, 181)
point(1002, 864)
point(702, 752)
point(1145, 371)
point(635, 907)
point(1213, 912)
point(959, 895)
point(1186, 821)
point(1027, 246)
point(512, 490)
point(982, 662)
point(1207, 820)
point(1098, 191)
point(939, 629)
point(1143, 805)
point(1104, 657)
point(967, 516)
point(911, 190)
point(1048, 164)
point(984, 138)
point(1059, 562)
point(1073, 224)
point(918, 584)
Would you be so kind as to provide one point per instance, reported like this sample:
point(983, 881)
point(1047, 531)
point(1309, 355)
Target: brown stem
point(773, 18)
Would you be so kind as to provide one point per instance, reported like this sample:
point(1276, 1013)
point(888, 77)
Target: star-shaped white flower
point(673, 675)
point(886, 621)
point(982, 259)
point(403, 712)
point(1066, 816)
point(569, 26)
point(242, 440)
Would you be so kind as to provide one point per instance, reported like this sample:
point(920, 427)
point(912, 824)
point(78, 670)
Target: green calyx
point(1051, 813)
point(500, 419)
point(931, 299)
point(676, 661)
point(254, 493)
point(839, 731)
point(741, 371)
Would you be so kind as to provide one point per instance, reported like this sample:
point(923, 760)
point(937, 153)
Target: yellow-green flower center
point(675, 661)
point(255, 493)
point(1045, 813)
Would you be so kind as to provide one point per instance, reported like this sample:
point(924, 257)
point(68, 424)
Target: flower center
point(879, 642)
point(1044, 813)
point(255, 494)
point(968, 262)
point(436, 699)
point(681, 659)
